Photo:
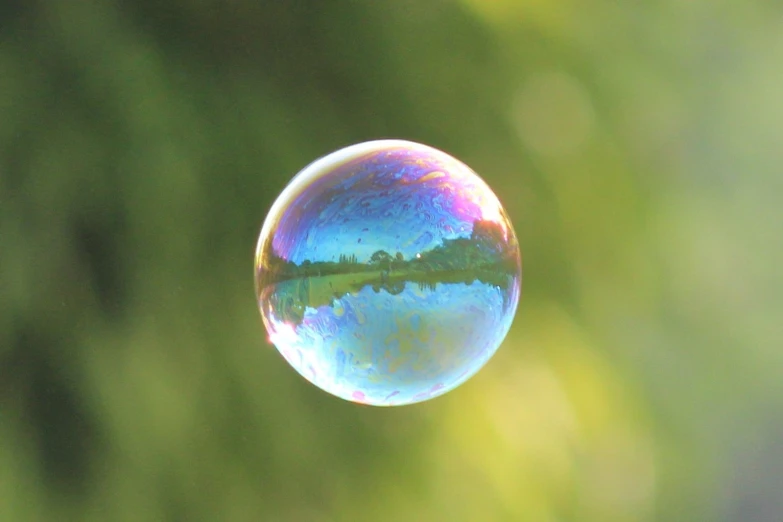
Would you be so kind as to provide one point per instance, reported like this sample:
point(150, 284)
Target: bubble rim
point(322, 166)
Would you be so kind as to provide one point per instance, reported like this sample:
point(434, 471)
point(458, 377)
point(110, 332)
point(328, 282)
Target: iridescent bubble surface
point(387, 273)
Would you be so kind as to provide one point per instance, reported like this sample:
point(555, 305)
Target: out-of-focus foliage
point(636, 146)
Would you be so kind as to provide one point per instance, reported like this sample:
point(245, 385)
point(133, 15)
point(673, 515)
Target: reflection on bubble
point(387, 273)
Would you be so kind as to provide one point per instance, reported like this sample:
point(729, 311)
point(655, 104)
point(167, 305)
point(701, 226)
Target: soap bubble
point(387, 273)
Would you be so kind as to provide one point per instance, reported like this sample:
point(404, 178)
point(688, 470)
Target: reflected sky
point(380, 348)
point(397, 197)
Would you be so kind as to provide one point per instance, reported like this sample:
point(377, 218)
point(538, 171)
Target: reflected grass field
point(290, 298)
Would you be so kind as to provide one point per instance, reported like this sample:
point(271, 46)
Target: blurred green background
point(636, 146)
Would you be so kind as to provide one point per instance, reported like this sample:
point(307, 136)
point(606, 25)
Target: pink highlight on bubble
point(358, 396)
point(392, 394)
point(421, 396)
